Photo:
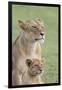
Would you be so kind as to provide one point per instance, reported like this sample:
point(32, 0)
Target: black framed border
point(10, 3)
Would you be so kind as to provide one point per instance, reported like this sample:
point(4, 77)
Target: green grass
point(50, 47)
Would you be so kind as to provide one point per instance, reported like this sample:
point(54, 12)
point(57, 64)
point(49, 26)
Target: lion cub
point(33, 73)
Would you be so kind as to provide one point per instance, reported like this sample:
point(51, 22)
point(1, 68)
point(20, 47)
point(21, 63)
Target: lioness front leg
point(16, 78)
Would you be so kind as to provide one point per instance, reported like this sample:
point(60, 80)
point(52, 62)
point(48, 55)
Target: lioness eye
point(34, 26)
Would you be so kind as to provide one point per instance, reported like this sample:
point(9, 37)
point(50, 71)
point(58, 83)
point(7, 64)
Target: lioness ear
point(38, 19)
point(22, 24)
point(28, 62)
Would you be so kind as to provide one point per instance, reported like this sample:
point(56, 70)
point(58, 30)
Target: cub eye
point(36, 65)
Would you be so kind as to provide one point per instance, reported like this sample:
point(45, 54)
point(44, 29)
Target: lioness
point(26, 46)
point(33, 71)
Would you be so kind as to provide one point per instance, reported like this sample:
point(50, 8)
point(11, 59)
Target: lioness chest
point(20, 54)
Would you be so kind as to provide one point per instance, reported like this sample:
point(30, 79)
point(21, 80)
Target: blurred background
point(50, 48)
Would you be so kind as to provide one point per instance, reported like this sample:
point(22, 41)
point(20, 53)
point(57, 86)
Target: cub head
point(34, 66)
point(33, 29)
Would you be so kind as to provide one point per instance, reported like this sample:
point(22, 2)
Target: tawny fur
point(26, 46)
point(32, 75)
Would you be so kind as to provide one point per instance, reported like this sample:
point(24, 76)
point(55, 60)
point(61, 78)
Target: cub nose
point(40, 70)
point(42, 33)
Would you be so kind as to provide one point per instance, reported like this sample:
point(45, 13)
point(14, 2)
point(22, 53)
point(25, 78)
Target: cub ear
point(22, 24)
point(28, 62)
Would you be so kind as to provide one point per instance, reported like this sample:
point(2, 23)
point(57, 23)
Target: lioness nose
point(42, 33)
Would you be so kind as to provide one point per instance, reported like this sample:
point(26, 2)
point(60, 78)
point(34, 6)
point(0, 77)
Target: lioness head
point(34, 66)
point(34, 29)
